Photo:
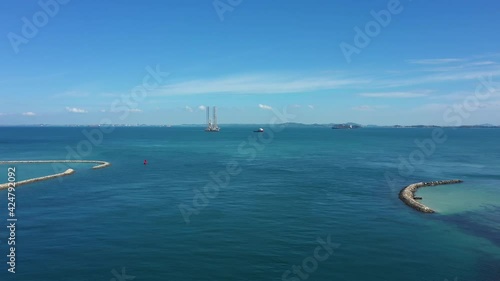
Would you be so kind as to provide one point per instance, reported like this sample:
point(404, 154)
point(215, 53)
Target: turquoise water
point(304, 184)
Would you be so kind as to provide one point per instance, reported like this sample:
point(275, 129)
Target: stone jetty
point(65, 173)
point(407, 194)
point(100, 165)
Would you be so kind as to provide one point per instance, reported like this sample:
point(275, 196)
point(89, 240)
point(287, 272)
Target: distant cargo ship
point(345, 126)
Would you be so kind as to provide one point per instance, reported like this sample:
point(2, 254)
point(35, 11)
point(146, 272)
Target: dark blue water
point(286, 192)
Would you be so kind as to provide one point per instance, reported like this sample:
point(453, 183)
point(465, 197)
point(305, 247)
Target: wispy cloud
point(432, 107)
point(72, 94)
point(29, 113)
point(439, 77)
point(439, 108)
point(394, 94)
point(491, 104)
point(461, 95)
point(266, 107)
point(483, 63)
point(465, 75)
point(33, 79)
point(463, 67)
point(363, 108)
point(75, 110)
point(188, 109)
point(286, 83)
point(369, 107)
point(135, 110)
point(450, 70)
point(110, 95)
point(311, 106)
point(435, 61)
point(257, 84)
point(202, 107)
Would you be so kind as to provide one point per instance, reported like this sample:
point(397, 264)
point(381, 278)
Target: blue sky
point(421, 61)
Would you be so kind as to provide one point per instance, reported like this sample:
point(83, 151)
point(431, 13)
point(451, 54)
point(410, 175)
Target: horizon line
point(239, 124)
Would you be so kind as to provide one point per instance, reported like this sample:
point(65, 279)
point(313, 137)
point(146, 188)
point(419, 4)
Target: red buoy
point(145, 162)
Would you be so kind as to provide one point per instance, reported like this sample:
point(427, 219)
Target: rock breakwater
point(407, 194)
point(100, 165)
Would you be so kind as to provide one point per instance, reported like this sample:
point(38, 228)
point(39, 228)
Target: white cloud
point(266, 107)
point(394, 94)
point(135, 110)
point(29, 113)
point(188, 108)
point(202, 107)
point(75, 110)
point(311, 106)
point(103, 110)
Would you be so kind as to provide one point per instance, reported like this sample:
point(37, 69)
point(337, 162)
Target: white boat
point(260, 130)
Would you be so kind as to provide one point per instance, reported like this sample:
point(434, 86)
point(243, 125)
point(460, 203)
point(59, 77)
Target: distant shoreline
point(101, 164)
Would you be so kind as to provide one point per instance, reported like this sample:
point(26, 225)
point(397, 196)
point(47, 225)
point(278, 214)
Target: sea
point(292, 203)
